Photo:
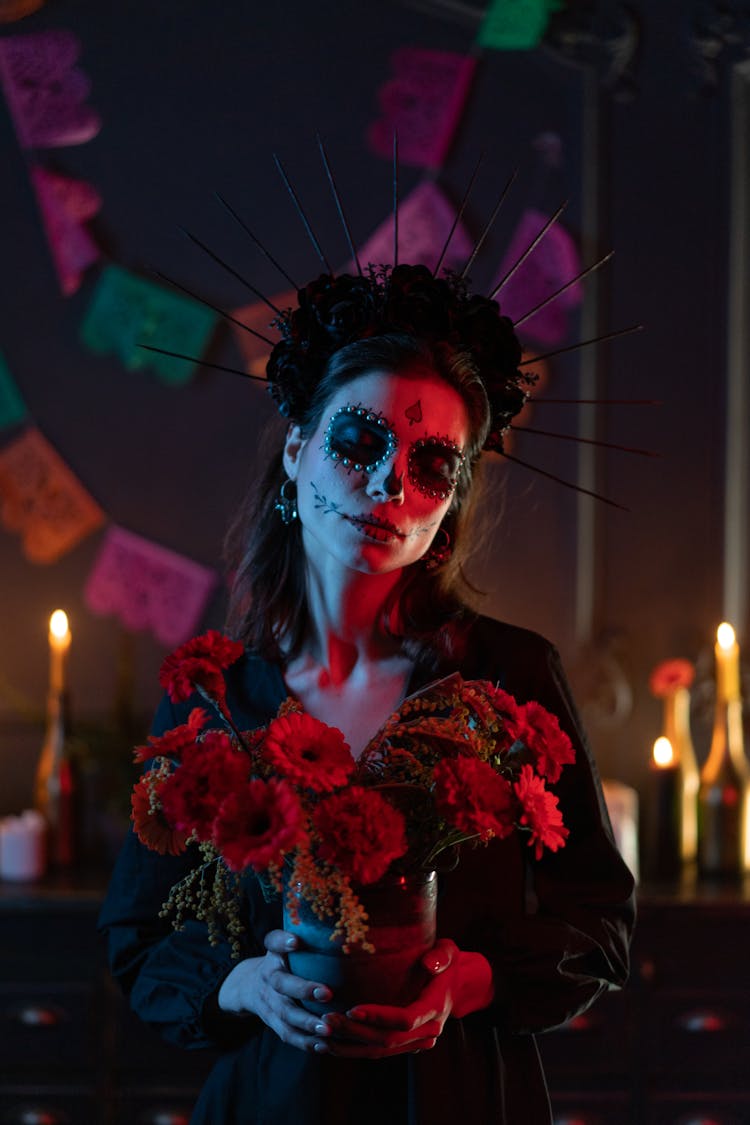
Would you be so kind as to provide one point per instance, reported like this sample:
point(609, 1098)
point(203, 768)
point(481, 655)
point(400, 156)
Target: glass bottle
point(722, 796)
point(677, 730)
point(55, 783)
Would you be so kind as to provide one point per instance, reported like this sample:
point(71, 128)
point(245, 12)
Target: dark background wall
point(194, 97)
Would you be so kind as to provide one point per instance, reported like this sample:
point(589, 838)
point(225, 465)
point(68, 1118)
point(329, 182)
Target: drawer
point(593, 1044)
point(591, 1109)
point(698, 1109)
point(47, 1029)
point(164, 1106)
point(695, 1035)
point(50, 1105)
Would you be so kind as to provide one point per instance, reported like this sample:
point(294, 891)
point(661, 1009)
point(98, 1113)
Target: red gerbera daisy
point(542, 734)
point(540, 813)
point(308, 753)
point(473, 798)
point(210, 771)
point(199, 663)
point(360, 833)
point(258, 825)
point(150, 824)
point(174, 742)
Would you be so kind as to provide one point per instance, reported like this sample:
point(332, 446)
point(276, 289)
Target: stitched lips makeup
point(383, 531)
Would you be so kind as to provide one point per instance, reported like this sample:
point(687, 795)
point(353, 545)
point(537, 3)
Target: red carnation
point(360, 833)
point(210, 771)
point(473, 798)
point(669, 676)
point(174, 742)
point(258, 825)
point(542, 734)
point(308, 753)
point(540, 813)
point(150, 824)
point(200, 663)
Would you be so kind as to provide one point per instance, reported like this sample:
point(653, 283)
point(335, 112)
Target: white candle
point(59, 644)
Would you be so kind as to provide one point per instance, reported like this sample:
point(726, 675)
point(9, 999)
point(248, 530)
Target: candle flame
point(725, 635)
point(58, 623)
point(663, 752)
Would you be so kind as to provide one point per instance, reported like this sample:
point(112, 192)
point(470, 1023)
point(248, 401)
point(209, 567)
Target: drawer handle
point(702, 1020)
point(37, 1015)
point(37, 1115)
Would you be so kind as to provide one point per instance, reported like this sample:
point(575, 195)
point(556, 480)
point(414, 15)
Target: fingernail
point(356, 1014)
point(321, 1048)
point(322, 1029)
point(322, 994)
point(291, 943)
point(434, 966)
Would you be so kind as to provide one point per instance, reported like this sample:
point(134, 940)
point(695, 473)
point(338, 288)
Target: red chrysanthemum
point(473, 798)
point(210, 771)
point(258, 825)
point(174, 742)
point(151, 826)
point(669, 676)
point(541, 732)
point(308, 752)
point(540, 813)
point(359, 833)
point(199, 662)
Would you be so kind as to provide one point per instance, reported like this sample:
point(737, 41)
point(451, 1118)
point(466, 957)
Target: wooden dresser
point(672, 1049)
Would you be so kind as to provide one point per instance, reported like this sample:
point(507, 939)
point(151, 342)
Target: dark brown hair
point(268, 603)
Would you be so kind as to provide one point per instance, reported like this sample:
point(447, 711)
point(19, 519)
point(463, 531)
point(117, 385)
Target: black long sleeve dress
point(556, 932)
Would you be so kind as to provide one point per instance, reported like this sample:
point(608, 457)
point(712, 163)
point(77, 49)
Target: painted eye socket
point(434, 465)
point(359, 438)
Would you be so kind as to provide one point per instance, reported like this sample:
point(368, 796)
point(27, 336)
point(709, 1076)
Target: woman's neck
point(346, 611)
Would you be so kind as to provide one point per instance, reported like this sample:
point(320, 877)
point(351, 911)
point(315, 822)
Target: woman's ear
point(293, 446)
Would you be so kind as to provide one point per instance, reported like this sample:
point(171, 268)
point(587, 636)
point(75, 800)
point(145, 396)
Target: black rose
point(418, 303)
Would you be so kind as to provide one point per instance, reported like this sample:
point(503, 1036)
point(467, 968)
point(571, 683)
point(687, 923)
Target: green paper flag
point(12, 406)
point(127, 310)
point(516, 25)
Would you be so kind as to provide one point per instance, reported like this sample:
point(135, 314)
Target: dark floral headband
point(336, 311)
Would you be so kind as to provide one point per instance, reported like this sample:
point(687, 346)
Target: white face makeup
point(373, 482)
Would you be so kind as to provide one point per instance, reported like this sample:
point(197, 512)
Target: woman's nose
point(386, 483)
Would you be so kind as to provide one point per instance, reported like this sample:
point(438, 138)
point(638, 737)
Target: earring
point(439, 552)
point(286, 504)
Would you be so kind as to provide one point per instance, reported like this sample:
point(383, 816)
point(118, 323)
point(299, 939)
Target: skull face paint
point(359, 439)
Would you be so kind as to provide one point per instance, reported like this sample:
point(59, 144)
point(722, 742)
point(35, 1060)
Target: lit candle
point(59, 644)
point(727, 653)
point(666, 837)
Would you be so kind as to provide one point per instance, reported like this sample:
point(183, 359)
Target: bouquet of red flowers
point(460, 760)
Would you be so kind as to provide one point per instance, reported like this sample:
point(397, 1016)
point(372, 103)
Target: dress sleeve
point(171, 977)
point(556, 931)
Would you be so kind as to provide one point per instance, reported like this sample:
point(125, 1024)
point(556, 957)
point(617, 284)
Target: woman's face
point(378, 473)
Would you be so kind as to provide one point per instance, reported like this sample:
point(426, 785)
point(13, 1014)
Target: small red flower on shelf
point(669, 676)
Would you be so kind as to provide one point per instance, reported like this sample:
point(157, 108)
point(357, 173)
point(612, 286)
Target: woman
point(348, 567)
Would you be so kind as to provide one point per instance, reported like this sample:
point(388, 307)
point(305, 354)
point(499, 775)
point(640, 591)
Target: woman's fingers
point(280, 941)
point(440, 957)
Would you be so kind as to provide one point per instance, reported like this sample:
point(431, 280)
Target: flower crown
point(334, 311)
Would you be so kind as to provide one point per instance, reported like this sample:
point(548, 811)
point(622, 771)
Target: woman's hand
point(461, 983)
point(264, 987)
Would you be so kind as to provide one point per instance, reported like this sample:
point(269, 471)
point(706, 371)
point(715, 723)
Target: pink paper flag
point(147, 586)
point(423, 103)
point(66, 205)
point(552, 262)
point(424, 219)
point(45, 91)
point(43, 500)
